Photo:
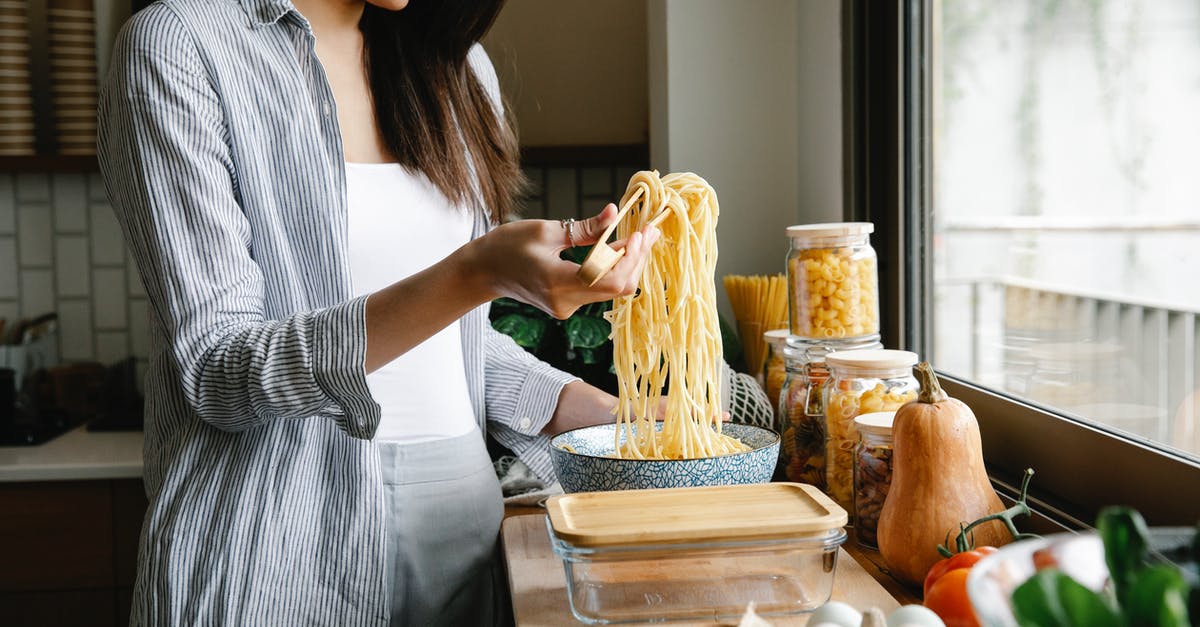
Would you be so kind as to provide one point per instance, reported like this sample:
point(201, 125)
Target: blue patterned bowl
point(588, 469)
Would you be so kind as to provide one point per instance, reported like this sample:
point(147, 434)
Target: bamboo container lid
point(758, 511)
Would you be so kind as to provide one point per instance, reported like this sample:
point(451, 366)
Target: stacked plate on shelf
point(72, 47)
point(16, 87)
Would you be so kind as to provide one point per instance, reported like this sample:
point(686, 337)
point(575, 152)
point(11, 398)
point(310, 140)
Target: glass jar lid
point(876, 423)
point(776, 337)
point(802, 349)
point(829, 230)
point(863, 360)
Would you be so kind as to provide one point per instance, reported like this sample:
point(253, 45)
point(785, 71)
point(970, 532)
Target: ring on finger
point(569, 225)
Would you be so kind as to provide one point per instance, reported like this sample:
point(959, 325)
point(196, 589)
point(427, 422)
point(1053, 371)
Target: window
point(1066, 209)
point(1040, 219)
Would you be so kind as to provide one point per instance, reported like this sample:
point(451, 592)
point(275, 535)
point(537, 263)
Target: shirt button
point(525, 423)
point(326, 108)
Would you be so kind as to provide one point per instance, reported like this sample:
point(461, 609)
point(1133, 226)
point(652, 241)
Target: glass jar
point(860, 382)
point(800, 419)
point(775, 372)
point(872, 473)
point(833, 286)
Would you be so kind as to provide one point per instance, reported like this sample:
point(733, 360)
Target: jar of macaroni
point(860, 382)
point(775, 372)
point(800, 419)
point(833, 285)
point(872, 473)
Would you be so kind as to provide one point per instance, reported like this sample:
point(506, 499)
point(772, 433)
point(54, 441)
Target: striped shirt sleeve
point(165, 156)
point(522, 394)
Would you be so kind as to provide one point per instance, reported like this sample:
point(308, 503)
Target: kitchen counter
point(78, 454)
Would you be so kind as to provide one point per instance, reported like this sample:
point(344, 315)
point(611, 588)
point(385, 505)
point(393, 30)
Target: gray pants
point(444, 509)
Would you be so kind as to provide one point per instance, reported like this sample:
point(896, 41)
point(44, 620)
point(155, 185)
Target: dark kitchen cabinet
point(68, 551)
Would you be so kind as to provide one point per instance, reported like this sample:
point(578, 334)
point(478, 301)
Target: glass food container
point(800, 419)
point(860, 382)
point(775, 373)
point(833, 285)
point(872, 473)
point(670, 554)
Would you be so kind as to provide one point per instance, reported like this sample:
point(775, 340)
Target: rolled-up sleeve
point(522, 394)
point(165, 158)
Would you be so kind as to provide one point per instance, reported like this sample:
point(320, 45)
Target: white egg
point(914, 616)
point(836, 614)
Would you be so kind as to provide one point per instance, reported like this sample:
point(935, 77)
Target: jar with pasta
point(860, 382)
point(833, 285)
point(872, 473)
point(775, 372)
point(800, 419)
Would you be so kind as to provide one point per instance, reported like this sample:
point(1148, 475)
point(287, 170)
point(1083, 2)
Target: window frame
point(887, 165)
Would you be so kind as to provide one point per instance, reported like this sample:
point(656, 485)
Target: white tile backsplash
point(70, 204)
point(9, 287)
point(8, 205)
point(35, 235)
point(71, 266)
point(109, 299)
point(111, 346)
point(95, 186)
point(75, 329)
point(107, 245)
point(9, 310)
point(37, 292)
point(33, 187)
point(139, 328)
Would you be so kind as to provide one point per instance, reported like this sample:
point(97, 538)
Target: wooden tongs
point(603, 257)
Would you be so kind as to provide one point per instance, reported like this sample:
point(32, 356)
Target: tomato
point(966, 559)
point(946, 587)
point(948, 599)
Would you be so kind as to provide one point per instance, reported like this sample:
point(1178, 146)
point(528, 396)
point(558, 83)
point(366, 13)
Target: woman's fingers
point(624, 277)
point(589, 230)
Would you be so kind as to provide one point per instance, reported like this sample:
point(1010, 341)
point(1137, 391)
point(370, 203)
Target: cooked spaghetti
point(668, 330)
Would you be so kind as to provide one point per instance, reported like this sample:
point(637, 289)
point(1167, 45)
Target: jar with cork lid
point(872, 473)
point(833, 284)
point(860, 382)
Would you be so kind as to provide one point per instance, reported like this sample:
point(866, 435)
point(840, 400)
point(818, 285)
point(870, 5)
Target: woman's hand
point(521, 260)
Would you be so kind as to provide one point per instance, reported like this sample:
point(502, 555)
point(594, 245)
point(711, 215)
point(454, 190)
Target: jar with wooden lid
point(860, 382)
point(800, 419)
point(872, 473)
point(833, 284)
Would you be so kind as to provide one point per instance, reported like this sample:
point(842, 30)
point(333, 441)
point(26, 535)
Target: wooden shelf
point(50, 164)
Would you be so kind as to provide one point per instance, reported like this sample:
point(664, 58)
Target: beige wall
point(573, 71)
point(748, 95)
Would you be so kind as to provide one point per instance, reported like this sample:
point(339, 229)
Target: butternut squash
point(938, 482)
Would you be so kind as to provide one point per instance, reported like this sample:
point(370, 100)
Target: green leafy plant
point(580, 344)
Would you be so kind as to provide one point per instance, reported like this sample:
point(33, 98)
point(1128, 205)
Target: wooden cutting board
point(539, 585)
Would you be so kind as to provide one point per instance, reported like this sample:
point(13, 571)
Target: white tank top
point(400, 224)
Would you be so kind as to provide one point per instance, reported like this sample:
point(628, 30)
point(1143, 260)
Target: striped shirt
point(220, 149)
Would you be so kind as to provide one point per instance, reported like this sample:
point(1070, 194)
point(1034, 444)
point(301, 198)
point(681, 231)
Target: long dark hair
point(429, 104)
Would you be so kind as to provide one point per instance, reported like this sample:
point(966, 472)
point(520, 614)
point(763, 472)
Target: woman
point(309, 193)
